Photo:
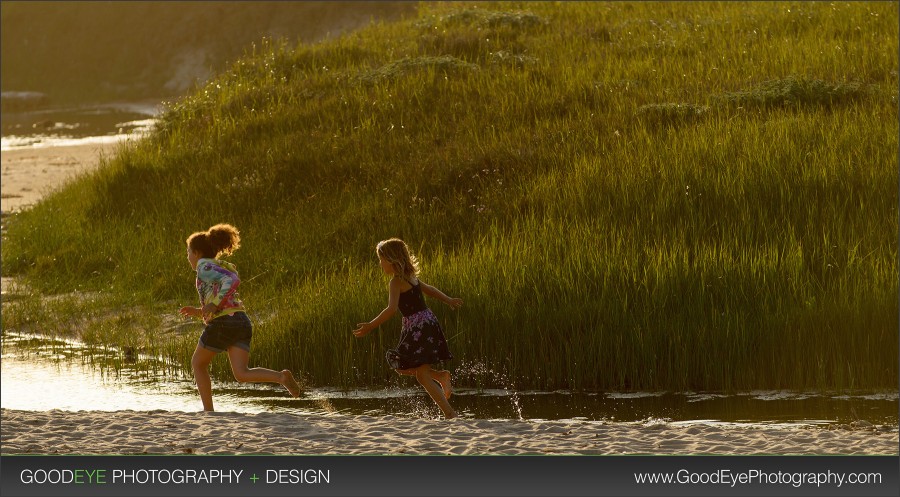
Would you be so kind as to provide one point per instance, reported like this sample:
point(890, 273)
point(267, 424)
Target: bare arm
point(363, 329)
point(204, 313)
point(189, 312)
point(431, 291)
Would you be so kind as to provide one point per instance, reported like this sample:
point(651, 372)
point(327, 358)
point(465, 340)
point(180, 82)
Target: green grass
point(628, 196)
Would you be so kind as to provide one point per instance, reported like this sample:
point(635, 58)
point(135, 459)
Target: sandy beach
point(164, 432)
point(28, 173)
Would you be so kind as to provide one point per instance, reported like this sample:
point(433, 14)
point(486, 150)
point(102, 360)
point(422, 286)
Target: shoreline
point(29, 173)
point(170, 432)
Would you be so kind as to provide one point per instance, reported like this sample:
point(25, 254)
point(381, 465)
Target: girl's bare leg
point(200, 364)
point(443, 377)
point(423, 376)
point(239, 359)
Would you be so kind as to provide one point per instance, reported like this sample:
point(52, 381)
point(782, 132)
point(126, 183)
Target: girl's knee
point(422, 374)
point(241, 375)
point(198, 364)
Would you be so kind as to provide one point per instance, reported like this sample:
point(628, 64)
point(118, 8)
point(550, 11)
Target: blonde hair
point(395, 251)
point(219, 240)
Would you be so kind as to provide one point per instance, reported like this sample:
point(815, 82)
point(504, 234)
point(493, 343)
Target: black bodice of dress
point(412, 301)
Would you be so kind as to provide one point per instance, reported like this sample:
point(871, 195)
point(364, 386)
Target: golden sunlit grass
point(673, 196)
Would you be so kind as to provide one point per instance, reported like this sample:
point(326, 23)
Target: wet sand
point(166, 432)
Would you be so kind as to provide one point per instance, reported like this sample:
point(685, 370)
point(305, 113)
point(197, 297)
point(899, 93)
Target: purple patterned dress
point(422, 340)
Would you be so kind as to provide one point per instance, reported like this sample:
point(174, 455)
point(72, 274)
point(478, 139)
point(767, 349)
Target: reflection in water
point(42, 374)
point(77, 125)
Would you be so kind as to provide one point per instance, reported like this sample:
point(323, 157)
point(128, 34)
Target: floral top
point(217, 283)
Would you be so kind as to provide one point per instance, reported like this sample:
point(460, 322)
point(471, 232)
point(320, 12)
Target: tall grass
point(697, 196)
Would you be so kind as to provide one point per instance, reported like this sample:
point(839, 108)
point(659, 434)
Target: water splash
point(416, 406)
point(479, 373)
point(306, 391)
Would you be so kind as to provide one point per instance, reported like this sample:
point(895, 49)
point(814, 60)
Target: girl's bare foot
point(443, 377)
point(287, 379)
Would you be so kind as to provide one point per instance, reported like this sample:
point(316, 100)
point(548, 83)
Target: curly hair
point(219, 240)
point(395, 251)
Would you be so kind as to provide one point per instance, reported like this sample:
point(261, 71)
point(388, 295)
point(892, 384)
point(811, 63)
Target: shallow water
point(76, 125)
point(39, 373)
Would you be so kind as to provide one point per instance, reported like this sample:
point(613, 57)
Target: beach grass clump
point(442, 65)
point(795, 91)
point(601, 239)
point(670, 113)
point(521, 20)
point(504, 58)
point(484, 18)
point(475, 34)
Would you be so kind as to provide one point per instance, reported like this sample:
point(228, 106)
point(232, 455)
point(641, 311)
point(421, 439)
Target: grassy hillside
point(665, 196)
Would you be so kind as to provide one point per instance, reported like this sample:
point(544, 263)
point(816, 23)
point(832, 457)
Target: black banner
point(222, 476)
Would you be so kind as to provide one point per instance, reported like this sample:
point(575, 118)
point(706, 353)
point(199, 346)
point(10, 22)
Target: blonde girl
point(422, 341)
point(228, 328)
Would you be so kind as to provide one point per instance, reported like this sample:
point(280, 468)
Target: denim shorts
point(230, 330)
